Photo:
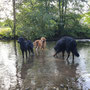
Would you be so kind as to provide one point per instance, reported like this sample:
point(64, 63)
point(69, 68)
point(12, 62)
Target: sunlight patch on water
point(7, 67)
point(83, 67)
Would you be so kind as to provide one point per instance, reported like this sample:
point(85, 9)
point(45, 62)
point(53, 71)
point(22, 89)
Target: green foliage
point(5, 33)
point(79, 31)
point(8, 23)
point(35, 21)
point(87, 17)
point(1, 24)
point(74, 28)
point(37, 18)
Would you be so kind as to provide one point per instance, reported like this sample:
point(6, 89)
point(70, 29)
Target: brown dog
point(40, 44)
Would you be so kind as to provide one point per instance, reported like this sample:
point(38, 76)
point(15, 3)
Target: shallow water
point(43, 71)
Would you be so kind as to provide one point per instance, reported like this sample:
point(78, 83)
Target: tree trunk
point(14, 18)
point(62, 13)
point(59, 14)
point(65, 10)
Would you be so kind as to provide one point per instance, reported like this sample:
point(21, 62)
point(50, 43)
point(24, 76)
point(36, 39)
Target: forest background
point(52, 19)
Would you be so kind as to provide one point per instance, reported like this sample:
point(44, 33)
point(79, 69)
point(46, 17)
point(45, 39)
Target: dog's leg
point(23, 54)
point(68, 55)
point(26, 54)
point(32, 51)
point(29, 52)
point(36, 49)
point(72, 58)
point(55, 54)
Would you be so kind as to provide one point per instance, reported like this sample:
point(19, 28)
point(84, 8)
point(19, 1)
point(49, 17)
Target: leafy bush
point(5, 33)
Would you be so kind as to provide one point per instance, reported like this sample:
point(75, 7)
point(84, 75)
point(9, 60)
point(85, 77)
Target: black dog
point(25, 46)
point(67, 44)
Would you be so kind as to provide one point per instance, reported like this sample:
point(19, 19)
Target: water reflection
point(43, 71)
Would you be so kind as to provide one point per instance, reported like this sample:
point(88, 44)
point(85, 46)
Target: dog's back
point(25, 46)
point(30, 46)
point(37, 44)
point(40, 43)
point(70, 45)
point(66, 44)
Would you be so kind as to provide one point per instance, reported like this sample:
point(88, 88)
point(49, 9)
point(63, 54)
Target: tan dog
point(40, 44)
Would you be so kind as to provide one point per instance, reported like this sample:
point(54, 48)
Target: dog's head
point(21, 39)
point(76, 52)
point(43, 39)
